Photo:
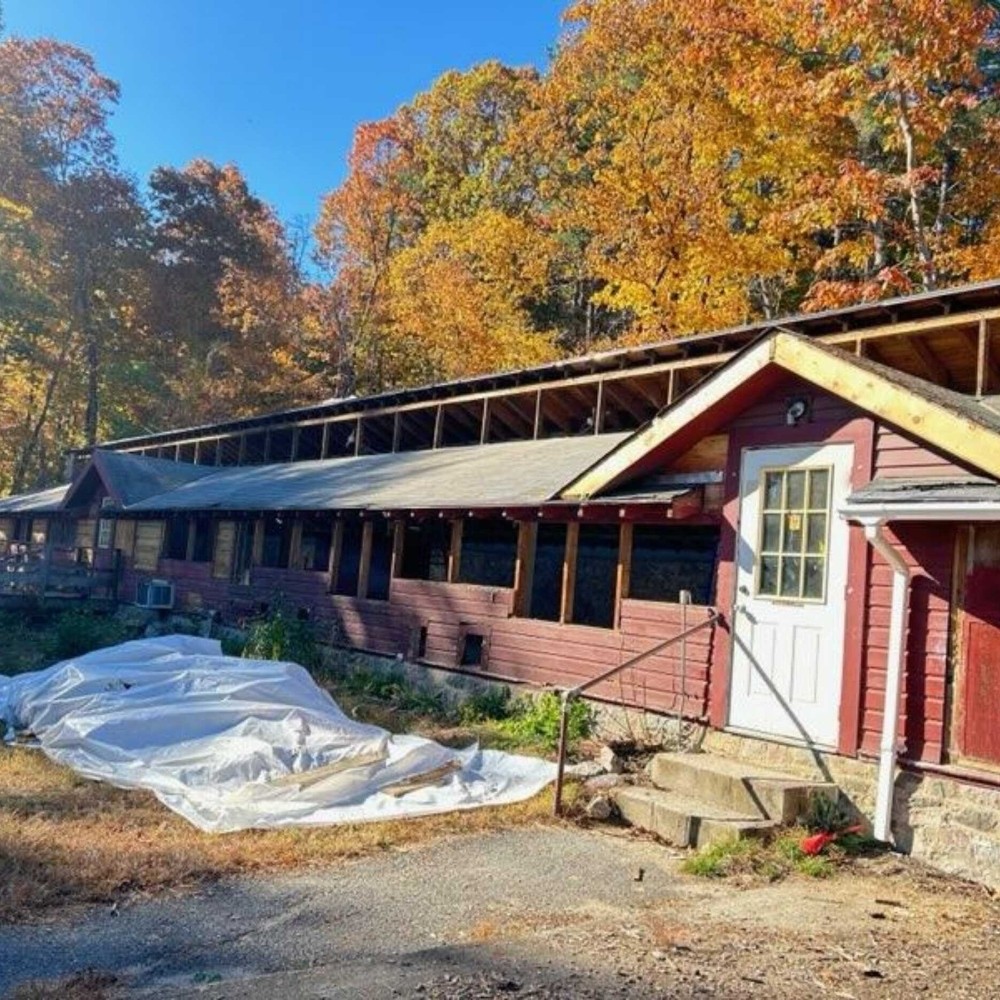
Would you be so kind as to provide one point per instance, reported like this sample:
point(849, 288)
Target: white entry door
point(791, 579)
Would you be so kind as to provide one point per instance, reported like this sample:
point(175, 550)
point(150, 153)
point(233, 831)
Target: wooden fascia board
point(929, 422)
point(669, 422)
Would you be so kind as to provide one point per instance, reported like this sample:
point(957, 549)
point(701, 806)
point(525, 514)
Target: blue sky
point(277, 87)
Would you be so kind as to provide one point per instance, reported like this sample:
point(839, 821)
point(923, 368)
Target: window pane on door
point(792, 536)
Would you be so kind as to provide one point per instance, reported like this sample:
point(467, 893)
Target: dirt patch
point(86, 985)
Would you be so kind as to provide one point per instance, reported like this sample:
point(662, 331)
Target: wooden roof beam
point(931, 363)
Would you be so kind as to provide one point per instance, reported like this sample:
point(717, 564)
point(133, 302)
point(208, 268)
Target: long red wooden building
point(827, 485)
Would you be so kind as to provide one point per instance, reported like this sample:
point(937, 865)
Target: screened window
point(105, 533)
point(277, 542)
point(489, 553)
point(317, 538)
point(349, 564)
point(380, 566)
point(201, 547)
point(794, 527)
point(669, 558)
point(546, 583)
point(175, 546)
point(425, 551)
point(596, 570)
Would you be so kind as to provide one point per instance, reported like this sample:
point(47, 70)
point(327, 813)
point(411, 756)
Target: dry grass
point(66, 840)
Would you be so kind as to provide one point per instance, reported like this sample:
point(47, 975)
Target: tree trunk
point(919, 233)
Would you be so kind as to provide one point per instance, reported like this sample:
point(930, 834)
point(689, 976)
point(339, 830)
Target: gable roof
point(958, 425)
point(511, 474)
point(131, 478)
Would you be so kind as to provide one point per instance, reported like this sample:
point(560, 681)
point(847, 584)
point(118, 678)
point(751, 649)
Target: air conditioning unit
point(155, 595)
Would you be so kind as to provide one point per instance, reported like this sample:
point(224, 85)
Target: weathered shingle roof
point(515, 473)
point(39, 502)
point(883, 492)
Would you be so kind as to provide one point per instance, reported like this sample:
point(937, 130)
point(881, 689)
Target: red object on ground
point(816, 843)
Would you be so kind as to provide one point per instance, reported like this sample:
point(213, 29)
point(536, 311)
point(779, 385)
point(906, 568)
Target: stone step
point(738, 786)
point(683, 820)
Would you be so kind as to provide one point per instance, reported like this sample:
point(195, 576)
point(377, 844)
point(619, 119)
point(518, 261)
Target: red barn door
point(980, 726)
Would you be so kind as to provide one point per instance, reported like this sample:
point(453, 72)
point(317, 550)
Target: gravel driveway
point(549, 912)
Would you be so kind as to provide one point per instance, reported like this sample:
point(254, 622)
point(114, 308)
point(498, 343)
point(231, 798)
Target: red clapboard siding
point(771, 412)
point(899, 457)
point(928, 549)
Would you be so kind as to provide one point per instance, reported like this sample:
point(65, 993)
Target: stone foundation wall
point(943, 820)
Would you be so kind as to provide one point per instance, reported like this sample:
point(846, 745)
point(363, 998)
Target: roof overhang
point(938, 500)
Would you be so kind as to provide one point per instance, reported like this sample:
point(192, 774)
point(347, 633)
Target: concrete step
point(683, 820)
point(737, 786)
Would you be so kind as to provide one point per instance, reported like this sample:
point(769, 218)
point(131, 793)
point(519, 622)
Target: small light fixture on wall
point(796, 410)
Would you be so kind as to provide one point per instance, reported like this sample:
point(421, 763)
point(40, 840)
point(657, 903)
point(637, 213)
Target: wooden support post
point(455, 550)
point(599, 409)
point(524, 567)
point(538, 415)
point(398, 540)
point(177, 452)
point(365, 565)
point(189, 544)
point(295, 545)
point(241, 456)
point(569, 572)
point(359, 429)
point(623, 573)
point(981, 349)
point(197, 452)
point(258, 542)
point(324, 446)
point(218, 451)
point(671, 385)
point(296, 434)
point(397, 430)
point(336, 547)
point(484, 427)
point(438, 426)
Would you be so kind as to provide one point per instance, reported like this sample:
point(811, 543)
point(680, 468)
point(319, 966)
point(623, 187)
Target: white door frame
point(794, 692)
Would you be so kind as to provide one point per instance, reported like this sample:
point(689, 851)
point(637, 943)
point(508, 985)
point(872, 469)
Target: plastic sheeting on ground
point(233, 744)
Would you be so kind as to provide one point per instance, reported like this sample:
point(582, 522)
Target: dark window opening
point(462, 423)
point(310, 445)
point(512, 418)
point(279, 447)
point(568, 413)
point(185, 452)
point(349, 566)
point(380, 566)
point(175, 546)
point(207, 451)
point(317, 538)
point(416, 429)
point(377, 434)
point(596, 572)
point(201, 547)
point(341, 437)
point(489, 553)
point(425, 551)
point(472, 649)
point(229, 451)
point(254, 448)
point(668, 559)
point(546, 584)
point(277, 541)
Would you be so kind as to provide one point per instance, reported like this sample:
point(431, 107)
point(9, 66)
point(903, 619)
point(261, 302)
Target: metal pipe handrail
point(569, 695)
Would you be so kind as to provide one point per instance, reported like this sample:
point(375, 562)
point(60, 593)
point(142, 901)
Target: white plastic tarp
point(233, 744)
